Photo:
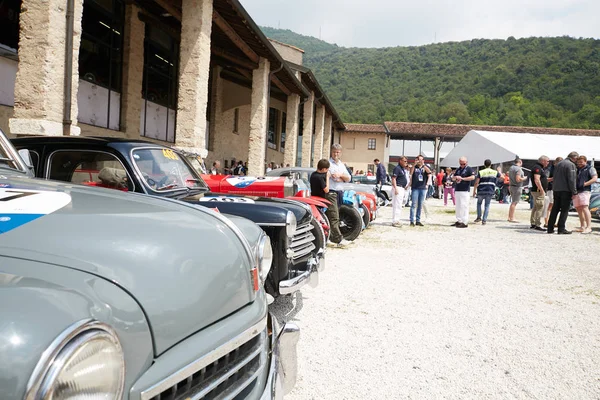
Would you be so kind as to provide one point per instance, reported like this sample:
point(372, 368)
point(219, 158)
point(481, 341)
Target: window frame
point(273, 145)
point(53, 153)
point(374, 144)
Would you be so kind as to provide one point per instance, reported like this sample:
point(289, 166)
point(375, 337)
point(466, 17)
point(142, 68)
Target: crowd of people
point(239, 168)
point(552, 185)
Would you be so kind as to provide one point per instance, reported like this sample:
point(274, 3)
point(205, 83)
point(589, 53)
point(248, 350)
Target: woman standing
point(448, 186)
point(586, 175)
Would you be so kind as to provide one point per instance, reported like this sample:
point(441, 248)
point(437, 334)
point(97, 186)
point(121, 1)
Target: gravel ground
point(495, 311)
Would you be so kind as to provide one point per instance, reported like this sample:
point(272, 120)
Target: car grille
point(303, 241)
point(232, 377)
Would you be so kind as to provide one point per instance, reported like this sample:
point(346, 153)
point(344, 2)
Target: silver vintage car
point(107, 295)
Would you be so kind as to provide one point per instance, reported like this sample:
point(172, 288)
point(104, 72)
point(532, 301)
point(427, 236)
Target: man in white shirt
point(338, 175)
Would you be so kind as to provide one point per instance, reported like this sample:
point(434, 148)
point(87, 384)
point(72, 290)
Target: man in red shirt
point(440, 183)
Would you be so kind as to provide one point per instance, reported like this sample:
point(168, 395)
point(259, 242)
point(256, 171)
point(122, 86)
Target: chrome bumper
point(310, 276)
point(284, 361)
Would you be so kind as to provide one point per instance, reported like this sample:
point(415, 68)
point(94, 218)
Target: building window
point(9, 26)
point(236, 120)
point(371, 168)
point(159, 87)
point(283, 134)
point(100, 63)
point(372, 144)
point(272, 128)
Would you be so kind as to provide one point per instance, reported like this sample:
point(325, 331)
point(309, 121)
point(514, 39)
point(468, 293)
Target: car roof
point(83, 141)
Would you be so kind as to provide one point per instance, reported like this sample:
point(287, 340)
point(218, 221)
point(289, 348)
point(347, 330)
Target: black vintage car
point(149, 168)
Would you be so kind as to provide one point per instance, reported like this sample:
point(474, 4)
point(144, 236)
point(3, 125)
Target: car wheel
point(319, 234)
point(366, 215)
point(350, 222)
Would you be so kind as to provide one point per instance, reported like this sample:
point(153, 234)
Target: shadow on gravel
point(284, 309)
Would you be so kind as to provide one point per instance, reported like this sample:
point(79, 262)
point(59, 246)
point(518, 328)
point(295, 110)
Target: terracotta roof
point(413, 129)
point(365, 128)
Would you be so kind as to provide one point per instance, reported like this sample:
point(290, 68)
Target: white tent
point(505, 146)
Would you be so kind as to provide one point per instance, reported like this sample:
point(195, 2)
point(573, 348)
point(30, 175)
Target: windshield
point(9, 158)
point(164, 170)
point(196, 162)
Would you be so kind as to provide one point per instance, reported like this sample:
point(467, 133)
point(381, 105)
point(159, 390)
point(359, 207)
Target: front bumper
point(284, 361)
point(315, 264)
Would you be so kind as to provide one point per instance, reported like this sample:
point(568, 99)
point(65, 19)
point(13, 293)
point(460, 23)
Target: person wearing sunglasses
point(463, 177)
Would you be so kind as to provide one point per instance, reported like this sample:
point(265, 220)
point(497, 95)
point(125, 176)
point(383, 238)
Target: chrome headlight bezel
point(291, 224)
point(264, 257)
point(55, 357)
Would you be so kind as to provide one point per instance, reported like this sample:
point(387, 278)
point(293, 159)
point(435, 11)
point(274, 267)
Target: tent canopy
point(505, 146)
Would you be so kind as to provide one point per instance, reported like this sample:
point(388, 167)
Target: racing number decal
point(20, 206)
point(170, 154)
point(223, 199)
point(14, 194)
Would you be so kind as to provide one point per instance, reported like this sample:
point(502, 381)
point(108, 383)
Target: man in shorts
point(517, 177)
point(586, 176)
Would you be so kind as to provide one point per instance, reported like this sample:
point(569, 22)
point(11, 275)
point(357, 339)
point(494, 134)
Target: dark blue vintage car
point(149, 168)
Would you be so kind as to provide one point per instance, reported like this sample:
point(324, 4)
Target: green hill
point(536, 81)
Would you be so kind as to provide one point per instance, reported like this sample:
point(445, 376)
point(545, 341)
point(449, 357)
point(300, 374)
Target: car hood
point(186, 268)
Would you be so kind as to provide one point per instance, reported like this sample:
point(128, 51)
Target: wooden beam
point(170, 8)
point(245, 73)
point(234, 37)
point(234, 59)
point(280, 85)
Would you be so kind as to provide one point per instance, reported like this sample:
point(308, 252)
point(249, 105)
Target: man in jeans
point(538, 192)
point(418, 184)
point(565, 187)
point(338, 174)
point(485, 187)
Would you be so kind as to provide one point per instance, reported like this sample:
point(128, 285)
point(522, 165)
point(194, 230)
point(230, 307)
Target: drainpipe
point(68, 76)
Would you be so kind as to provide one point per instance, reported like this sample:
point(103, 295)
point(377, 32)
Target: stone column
point(39, 86)
point(291, 125)
point(327, 137)
point(133, 72)
point(194, 64)
point(259, 114)
point(319, 135)
point(307, 132)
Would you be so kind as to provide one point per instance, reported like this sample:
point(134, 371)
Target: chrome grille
point(303, 241)
point(231, 377)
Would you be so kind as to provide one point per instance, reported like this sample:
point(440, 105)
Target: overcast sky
point(388, 23)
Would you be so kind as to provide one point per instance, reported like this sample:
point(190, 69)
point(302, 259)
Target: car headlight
point(594, 209)
point(86, 360)
point(264, 257)
point(290, 224)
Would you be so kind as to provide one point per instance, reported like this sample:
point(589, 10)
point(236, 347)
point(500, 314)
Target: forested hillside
point(552, 82)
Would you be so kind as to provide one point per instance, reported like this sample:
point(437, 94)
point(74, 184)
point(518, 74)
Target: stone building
point(195, 74)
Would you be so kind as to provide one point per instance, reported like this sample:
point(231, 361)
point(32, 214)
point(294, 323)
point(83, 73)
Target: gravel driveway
point(495, 311)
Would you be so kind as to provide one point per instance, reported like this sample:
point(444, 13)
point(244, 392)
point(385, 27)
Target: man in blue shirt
point(380, 174)
point(463, 177)
point(418, 185)
point(485, 187)
point(399, 184)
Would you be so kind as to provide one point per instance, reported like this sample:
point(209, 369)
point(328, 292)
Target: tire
point(367, 215)
point(319, 235)
point(328, 224)
point(350, 222)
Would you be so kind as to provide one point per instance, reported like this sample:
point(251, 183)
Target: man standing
point(399, 184)
point(463, 177)
point(516, 177)
point(216, 168)
point(380, 173)
point(440, 183)
point(418, 185)
point(538, 192)
point(565, 187)
point(338, 174)
point(550, 192)
point(485, 187)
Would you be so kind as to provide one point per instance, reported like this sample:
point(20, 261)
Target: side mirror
point(26, 156)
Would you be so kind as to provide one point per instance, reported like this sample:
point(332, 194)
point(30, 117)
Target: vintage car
point(108, 295)
point(139, 166)
point(367, 201)
point(371, 180)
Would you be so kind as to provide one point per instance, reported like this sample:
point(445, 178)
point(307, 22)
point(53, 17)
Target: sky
point(390, 23)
